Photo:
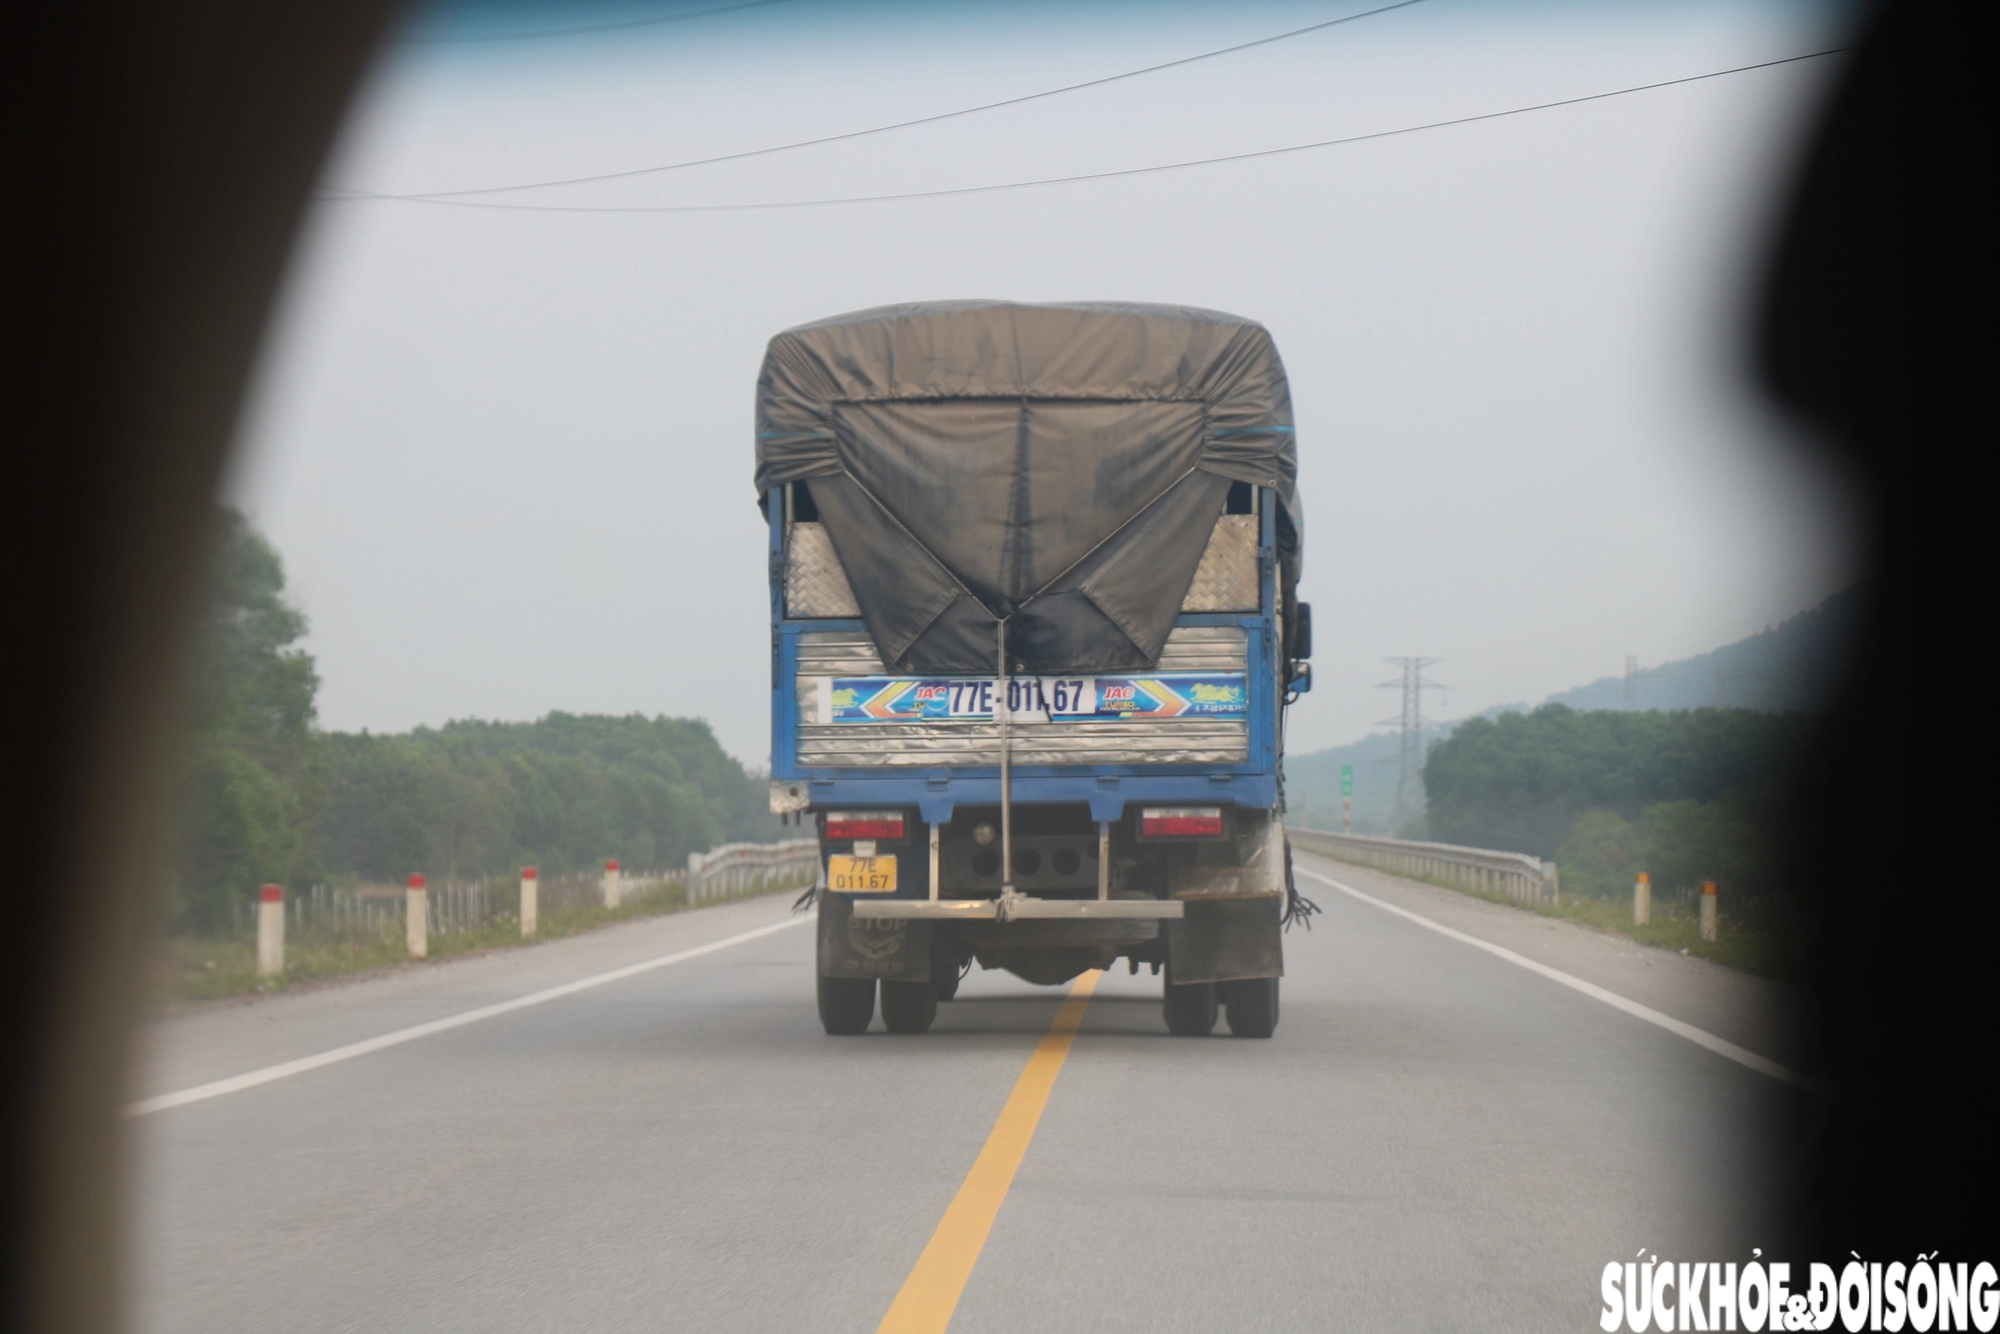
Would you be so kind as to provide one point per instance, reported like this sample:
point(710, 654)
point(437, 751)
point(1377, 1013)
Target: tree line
point(269, 797)
point(1685, 796)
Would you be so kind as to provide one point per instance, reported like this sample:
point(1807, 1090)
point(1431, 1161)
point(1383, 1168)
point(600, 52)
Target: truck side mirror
point(1302, 631)
point(1299, 679)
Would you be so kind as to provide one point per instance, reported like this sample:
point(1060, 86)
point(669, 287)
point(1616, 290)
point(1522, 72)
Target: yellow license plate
point(862, 875)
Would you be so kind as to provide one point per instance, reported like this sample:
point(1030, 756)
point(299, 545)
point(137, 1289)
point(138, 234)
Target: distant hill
point(1791, 665)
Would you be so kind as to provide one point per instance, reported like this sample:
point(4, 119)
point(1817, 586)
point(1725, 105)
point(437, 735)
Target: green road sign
point(1346, 780)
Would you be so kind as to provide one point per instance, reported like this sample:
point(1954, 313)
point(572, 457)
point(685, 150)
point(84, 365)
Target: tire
point(846, 1005)
point(944, 978)
point(908, 1007)
point(1253, 1006)
point(1190, 1011)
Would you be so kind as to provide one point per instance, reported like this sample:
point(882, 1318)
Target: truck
point(1034, 629)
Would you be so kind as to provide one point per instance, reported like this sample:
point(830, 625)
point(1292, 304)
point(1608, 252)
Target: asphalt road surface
point(1439, 1137)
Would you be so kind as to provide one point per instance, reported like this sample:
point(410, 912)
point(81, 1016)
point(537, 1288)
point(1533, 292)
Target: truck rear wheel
point(846, 1004)
point(908, 1007)
point(1253, 1006)
point(1190, 1010)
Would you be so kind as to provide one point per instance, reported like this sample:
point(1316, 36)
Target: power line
point(898, 125)
point(1084, 176)
point(620, 26)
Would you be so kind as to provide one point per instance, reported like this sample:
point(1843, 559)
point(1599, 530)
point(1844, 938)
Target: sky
point(504, 441)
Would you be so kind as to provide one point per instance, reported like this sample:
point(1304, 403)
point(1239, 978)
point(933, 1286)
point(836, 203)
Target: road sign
point(1346, 780)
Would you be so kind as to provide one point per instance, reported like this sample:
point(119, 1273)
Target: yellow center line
point(930, 1294)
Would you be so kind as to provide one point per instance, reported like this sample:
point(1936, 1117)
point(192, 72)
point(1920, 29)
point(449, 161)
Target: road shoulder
point(190, 1046)
point(1754, 1012)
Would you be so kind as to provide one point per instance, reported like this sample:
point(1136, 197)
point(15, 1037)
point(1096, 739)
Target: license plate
point(861, 875)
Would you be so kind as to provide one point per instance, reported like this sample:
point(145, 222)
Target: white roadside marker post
point(417, 918)
point(1708, 910)
point(270, 931)
point(692, 888)
point(614, 892)
point(530, 901)
point(1642, 900)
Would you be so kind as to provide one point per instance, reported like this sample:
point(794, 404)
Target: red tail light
point(1181, 822)
point(864, 824)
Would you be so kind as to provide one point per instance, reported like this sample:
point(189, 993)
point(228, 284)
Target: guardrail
point(740, 868)
point(1515, 875)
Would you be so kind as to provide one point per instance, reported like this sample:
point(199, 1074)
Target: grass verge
point(211, 968)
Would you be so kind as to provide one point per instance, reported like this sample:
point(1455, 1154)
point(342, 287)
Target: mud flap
point(855, 945)
point(1223, 939)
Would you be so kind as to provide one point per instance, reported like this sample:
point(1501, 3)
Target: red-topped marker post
point(614, 889)
point(270, 931)
point(417, 918)
point(1708, 910)
point(1642, 900)
point(530, 901)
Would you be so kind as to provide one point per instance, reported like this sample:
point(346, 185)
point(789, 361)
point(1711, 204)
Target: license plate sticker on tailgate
point(861, 875)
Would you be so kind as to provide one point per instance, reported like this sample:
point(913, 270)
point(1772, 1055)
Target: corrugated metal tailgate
point(1124, 741)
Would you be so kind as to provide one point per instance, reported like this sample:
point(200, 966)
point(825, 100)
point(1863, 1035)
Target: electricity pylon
point(1411, 766)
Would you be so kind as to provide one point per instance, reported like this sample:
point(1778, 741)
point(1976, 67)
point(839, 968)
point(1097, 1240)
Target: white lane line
point(1701, 1037)
point(237, 1083)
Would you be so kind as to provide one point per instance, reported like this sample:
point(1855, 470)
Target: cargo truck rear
point(1033, 577)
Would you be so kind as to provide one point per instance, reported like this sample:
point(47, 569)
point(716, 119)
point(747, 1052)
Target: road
point(1437, 1138)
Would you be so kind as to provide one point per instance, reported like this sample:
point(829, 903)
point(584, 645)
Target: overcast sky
point(506, 451)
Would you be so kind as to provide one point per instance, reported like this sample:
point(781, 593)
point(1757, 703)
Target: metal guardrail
point(740, 868)
point(1515, 875)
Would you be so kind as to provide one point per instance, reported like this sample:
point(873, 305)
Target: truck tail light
point(1181, 822)
point(864, 824)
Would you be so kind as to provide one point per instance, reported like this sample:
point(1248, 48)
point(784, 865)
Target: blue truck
point(1034, 628)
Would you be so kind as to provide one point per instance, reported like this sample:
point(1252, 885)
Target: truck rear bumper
point(1020, 909)
point(936, 793)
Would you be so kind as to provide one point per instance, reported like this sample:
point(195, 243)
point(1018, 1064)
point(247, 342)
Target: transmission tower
point(1631, 682)
point(1411, 766)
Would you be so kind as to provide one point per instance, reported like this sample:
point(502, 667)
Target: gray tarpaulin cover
point(1060, 466)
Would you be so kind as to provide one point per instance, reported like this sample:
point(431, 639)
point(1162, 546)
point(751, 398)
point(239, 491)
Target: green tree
point(252, 790)
point(1522, 780)
point(565, 792)
point(270, 798)
point(1602, 855)
point(1685, 797)
point(1680, 844)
